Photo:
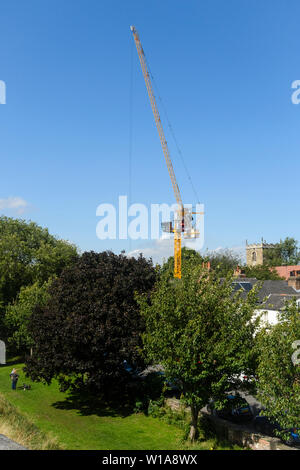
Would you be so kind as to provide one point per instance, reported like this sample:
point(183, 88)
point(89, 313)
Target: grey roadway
point(8, 444)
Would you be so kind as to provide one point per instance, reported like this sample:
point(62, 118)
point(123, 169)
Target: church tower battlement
point(255, 252)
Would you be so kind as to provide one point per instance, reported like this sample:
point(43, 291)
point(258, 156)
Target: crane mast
point(180, 212)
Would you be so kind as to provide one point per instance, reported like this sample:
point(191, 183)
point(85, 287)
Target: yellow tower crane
point(183, 217)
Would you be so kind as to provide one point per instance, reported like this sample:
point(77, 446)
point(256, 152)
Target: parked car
point(173, 387)
point(269, 427)
point(263, 425)
point(236, 409)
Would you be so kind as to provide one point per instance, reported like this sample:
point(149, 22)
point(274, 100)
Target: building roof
point(276, 292)
point(277, 301)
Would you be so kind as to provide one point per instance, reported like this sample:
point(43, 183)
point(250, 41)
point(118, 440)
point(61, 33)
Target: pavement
point(8, 444)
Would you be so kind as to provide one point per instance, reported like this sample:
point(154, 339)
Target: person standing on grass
point(14, 379)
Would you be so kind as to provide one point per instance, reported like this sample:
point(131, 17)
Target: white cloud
point(158, 250)
point(14, 203)
point(236, 250)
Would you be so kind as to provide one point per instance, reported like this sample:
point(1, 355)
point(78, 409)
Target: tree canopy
point(261, 272)
point(201, 333)
point(91, 323)
point(18, 314)
point(279, 369)
point(28, 254)
point(187, 255)
point(284, 253)
point(224, 261)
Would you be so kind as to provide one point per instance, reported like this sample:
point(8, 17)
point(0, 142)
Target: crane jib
point(178, 227)
point(164, 144)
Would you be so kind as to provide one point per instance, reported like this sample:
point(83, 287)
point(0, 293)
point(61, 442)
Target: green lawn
point(78, 427)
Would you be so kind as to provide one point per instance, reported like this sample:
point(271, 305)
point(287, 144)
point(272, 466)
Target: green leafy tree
point(279, 369)
point(201, 332)
point(91, 324)
point(18, 314)
point(261, 272)
point(28, 254)
point(187, 255)
point(223, 262)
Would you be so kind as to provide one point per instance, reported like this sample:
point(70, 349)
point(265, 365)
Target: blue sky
point(224, 71)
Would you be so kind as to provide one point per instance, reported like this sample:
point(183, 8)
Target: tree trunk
point(194, 423)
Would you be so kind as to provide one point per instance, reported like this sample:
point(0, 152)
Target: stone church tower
point(255, 253)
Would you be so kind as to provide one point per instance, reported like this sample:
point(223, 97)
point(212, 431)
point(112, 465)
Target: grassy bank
point(45, 418)
point(20, 428)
